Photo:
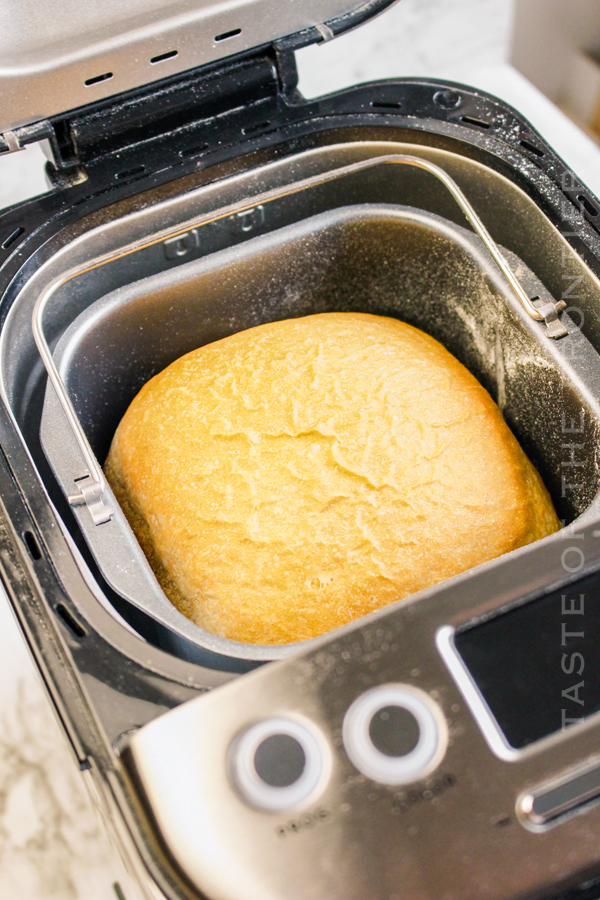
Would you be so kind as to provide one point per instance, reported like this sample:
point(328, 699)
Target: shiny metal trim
point(421, 761)
point(92, 494)
point(253, 790)
point(540, 820)
point(325, 32)
point(12, 142)
point(489, 727)
point(482, 714)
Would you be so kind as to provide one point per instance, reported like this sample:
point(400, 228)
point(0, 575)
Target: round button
point(394, 731)
point(276, 764)
point(394, 734)
point(279, 760)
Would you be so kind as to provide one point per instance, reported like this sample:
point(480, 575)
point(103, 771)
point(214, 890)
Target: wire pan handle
point(91, 485)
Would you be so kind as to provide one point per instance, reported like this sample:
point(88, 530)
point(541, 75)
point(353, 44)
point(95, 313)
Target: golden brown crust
point(292, 477)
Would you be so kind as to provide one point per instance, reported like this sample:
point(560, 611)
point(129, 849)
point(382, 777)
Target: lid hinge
point(164, 115)
point(140, 120)
point(285, 60)
point(18, 138)
point(43, 133)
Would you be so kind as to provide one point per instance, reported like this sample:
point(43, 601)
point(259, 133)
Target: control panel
point(420, 754)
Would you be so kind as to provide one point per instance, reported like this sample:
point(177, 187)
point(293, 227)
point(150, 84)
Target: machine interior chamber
point(389, 241)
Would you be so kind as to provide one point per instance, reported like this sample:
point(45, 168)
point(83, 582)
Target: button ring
point(264, 779)
point(418, 752)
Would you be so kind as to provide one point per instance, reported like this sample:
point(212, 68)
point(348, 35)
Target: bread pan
point(378, 258)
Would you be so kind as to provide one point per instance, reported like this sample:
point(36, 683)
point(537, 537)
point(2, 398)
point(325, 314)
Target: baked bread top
point(292, 477)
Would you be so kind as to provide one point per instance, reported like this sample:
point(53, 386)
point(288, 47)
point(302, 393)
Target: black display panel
point(538, 665)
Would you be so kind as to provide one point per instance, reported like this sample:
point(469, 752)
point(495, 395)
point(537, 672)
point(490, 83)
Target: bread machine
point(444, 747)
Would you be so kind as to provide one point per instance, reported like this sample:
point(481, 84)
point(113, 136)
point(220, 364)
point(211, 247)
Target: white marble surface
point(51, 842)
point(52, 846)
point(434, 38)
point(22, 175)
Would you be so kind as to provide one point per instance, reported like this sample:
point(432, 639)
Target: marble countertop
point(52, 846)
point(51, 842)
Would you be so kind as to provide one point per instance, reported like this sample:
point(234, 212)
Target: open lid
point(61, 55)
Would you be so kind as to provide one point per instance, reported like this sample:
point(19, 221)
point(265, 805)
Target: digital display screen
point(538, 665)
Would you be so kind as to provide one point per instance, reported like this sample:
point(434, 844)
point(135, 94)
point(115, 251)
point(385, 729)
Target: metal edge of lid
point(66, 64)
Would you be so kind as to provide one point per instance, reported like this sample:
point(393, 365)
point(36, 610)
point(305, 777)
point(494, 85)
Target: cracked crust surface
point(295, 476)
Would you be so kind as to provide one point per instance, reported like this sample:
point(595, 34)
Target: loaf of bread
point(293, 477)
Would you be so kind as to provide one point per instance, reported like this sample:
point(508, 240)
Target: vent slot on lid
point(228, 34)
point(97, 79)
point(170, 54)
